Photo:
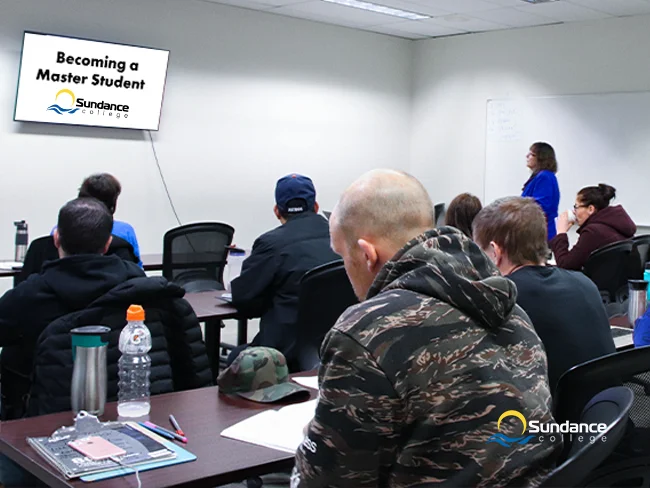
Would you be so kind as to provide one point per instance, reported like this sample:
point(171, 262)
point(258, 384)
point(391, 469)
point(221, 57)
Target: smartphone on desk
point(96, 448)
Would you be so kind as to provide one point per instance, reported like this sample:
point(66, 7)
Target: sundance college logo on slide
point(69, 104)
point(549, 431)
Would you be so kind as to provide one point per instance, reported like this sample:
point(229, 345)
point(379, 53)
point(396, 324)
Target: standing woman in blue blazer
point(542, 184)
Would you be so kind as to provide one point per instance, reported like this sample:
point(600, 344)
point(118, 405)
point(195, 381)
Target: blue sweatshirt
point(544, 189)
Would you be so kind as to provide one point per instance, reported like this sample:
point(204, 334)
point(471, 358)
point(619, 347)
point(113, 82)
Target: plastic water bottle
point(134, 366)
point(236, 258)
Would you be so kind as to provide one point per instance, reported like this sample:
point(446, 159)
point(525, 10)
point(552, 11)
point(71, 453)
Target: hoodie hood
point(445, 264)
point(79, 280)
point(614, 217)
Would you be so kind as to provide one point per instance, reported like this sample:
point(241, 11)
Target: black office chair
point(325, 293)
point(439, 214)
point(630, 368)
point(195, 255)
point(611, 267)
point(642, 247)
point(609, 407)
point(43, 249)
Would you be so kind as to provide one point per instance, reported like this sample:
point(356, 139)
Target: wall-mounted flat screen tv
point(65, 80)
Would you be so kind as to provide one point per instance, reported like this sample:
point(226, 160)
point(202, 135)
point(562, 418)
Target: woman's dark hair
point(545, 155)
point(461, 212)
point(598, 196)
point(104, 187)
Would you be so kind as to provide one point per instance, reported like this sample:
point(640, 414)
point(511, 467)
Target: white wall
point(455, 77)
point(250, 97)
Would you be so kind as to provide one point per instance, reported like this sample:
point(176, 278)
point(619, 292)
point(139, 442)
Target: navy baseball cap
point(295, 194)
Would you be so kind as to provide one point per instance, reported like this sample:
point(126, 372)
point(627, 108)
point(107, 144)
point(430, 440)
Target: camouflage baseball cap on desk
point(259, 374)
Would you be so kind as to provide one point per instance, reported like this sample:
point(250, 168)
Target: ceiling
point(449, 17)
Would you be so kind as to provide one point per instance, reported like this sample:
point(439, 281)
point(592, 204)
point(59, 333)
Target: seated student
point(599, 224)
point(71, 283)
point(106, 188)
point(564, 306)
point(269, 282)
point(414, 379)
point(461, 212)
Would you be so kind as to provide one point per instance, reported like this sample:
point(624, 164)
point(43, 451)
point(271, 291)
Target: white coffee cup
point(572, 216)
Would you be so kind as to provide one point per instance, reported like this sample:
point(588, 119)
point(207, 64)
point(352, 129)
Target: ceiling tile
point(464, 23)
point(251, 4)
point(511, 17)
point(563, 11)
point(458, 6)
point(506, 3)
point(617, 7)
point(410, 6)
point(425, 28)
point(387, 29)
point(332, 12)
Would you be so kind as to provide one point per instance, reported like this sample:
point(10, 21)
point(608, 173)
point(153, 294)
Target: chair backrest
point(439, 213)
point(194, 255)
point(325, 293)
point(178, 357)
point(611, 267)
point(642, 247)
point(630, 368)
point(43, 249)
point(610, 407)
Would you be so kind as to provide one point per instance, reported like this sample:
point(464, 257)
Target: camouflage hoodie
point(414, 379)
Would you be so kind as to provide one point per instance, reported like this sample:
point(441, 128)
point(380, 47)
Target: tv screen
point(64, 80)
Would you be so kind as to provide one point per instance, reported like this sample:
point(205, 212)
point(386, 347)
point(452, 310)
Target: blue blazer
point(544, 189)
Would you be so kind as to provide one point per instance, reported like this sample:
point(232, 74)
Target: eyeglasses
point(531, 155)
point(576, 207)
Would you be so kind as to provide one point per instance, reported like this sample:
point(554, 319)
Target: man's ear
point(316, 207)
point(498, 253)
point(108, 244)
point(57, 239)
point(370, 254)
point(276, 211)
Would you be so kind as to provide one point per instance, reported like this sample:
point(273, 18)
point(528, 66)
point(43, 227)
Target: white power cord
point(137, 472)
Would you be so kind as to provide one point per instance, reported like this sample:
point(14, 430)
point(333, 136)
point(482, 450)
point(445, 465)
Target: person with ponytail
point(599, 224)
point(542, 184)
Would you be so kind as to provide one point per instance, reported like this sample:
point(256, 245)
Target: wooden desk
point(150, 262)
point(211, 309)
point(9, 273)
point(203, 414)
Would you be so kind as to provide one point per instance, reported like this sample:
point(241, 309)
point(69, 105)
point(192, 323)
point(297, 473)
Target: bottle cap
point(135, 312)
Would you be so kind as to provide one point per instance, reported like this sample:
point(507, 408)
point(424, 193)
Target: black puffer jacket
point(62, 287)
point(178, 356)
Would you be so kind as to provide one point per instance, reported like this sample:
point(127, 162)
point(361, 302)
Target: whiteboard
point(599, 138)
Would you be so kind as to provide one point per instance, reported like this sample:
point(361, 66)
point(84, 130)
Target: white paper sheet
point(308, 381)
point(278, 429)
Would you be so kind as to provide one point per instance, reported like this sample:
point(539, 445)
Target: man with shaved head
point(418, 378)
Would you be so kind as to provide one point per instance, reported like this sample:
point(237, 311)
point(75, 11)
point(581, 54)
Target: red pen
point(179, 431)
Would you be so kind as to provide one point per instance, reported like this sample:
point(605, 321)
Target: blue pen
point(158, 431)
